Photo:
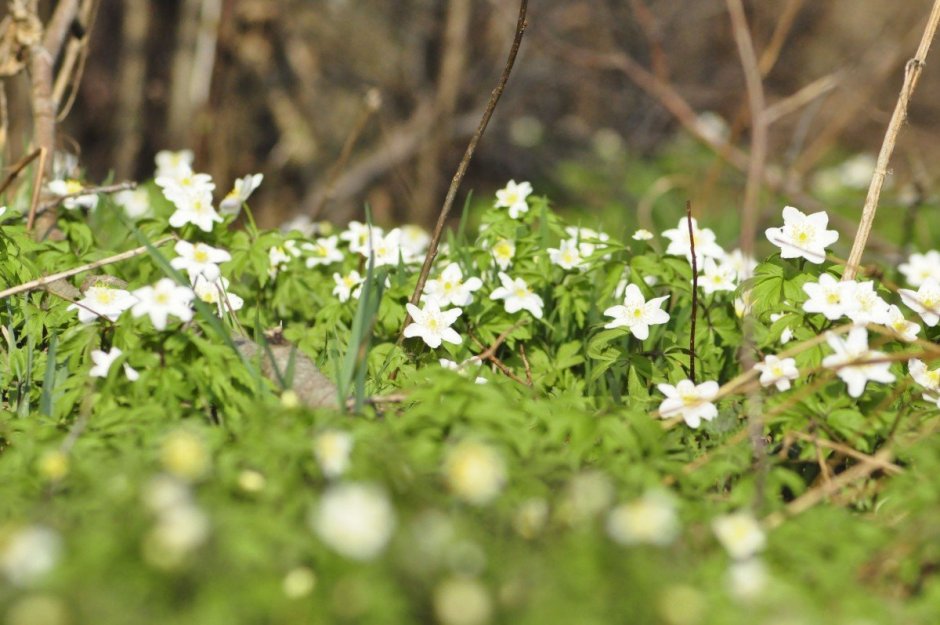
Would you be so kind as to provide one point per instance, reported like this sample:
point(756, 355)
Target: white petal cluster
point(567, 255)
point(803, 236)
point(199, 260)
point(231, 204)
point(180, 526)
point(216, 293)
point(135, 202)
point(513, 196)
point(636, 313)
point(690, 401)
point(680, 243)
point(517, 295)
point(920, 268)
point(323, 251)
point(354, 519)
point(102, 301)
point(279, 256)
point(163, 299)
point(191, 194)
point(348, 286)
point(587, 240)
point(925, 301)
point(717, 276)
point(835, 298)
point(27, 554)
point(929, 379)
point(103, 361)
point(451, 289)
point(777, 371)
point(855, 363)
point(503, 251)
point(432, 324)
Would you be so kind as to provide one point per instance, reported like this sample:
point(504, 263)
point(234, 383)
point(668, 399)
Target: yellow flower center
point(200, 255)
point(104, 295)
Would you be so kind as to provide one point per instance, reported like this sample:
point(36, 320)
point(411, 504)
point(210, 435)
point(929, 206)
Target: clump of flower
point(356, 520)
point(503, 252)
point(717, 276)
point(198, 260)
point(517, 295)
point(323, 251)
point(27, 554)
point(184, 454)
point(680, 243)
point(432, 324)
point(348, 286)
point(513, 196)
point(279, 256)
point(217, 294)
point(135, 202)
point(636, 313)
point(690, 401)
point(904, 330)
point(803, 236)
point(462, 601)
point(567, 255)
point(829, 296)
point(855, 363)
point(68, 189)
point(927, 378)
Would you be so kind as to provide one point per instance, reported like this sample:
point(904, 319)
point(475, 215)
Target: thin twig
point(18, 168)
point(887, 467)
point(525, 363)
point(912, 72)
point(521, 25)
point(111, 188)
point(688, 219)
point(110, 260)
point(37, 189)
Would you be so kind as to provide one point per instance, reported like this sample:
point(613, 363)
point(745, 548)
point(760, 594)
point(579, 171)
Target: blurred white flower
point(530, 518)
point(787, 333)
point(432, 324)
point(462, 601)
point(323, 251)
point(777, 371)
point(587, 494)
point(414, 242)
point(386, 250)
point(743, 266)
point(517, 295)
point(642, 235)
point(280, 255)
point(28, 554)
point(865, 305)
point(70, 187)
point(513, 196)
point(651, 519)
point(717, 277)
point(636, 313)
point(905, 330)
point(175, 165)
point(217, 294)
point(567, 255)
point(185, 455)
point(461, 368)
point(354, 519)
point(854, 349)
point(680, 243)
point(103, 361)
point(102, 300)
point(347, 286)
point(451, 289)
point(357, 236)
point(747, 578)
point(921, 267)
point(503, 252)
point(928, 378)
point(587, 240)
point(803, 236)
point(925, 301)
point(740, 534)
point(195, 208)
point(690, 401)
point(163, 299)
point(299, 582)
point(135, 202)
point(199, 259)
point(475, 472)
point(241, 191)
point(332, 450)
point(179, 530)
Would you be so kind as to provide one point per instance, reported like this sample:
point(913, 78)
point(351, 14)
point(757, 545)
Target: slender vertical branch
point(756, 103)
point(521, 25)
point(912, 73)
point(688, 221)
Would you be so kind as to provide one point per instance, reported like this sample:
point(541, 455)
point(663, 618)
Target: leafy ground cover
point(541, 442)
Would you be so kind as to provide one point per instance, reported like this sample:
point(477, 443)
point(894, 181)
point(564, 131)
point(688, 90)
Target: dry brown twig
point(912, 71)
point(521, 25)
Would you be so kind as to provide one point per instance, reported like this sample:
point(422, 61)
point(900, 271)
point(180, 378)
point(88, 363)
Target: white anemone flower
point(517, 295)
point(451, 289)
point(777, 371)
point(690, 401)
point(829, 296)
point(71, 187)
point(928, 378)
point(135, 202)
point(414, 242)
point(925, 301)
point(513, 196)
point(636, 313)
point(921, 267)
point(742, 265)
point(357, 236)
point(866, 306)
point(323, 251)
point(680, 243)
point(905, 330)
point(642, 235)
point(27, 554)
point(279, 256)
point(199, 260)
point(787, 335)
point(176, 165)
point(475, 472)
point(803, 236)
point(354, 519)
point(432, 324)
point(241, 191)
point(503, 252)
point(740, 534)
point(386, 250)
point(587, 240)
point(332, 450)
point(163, 299)
point(853, 361)
point(194, 209)
point(103, 361)
point(102, 301)
point(216, 293)
point(567, 255)
point(717, 277)
point(348, 286)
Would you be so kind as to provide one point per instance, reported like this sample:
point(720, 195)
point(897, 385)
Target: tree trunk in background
point(131, 87)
